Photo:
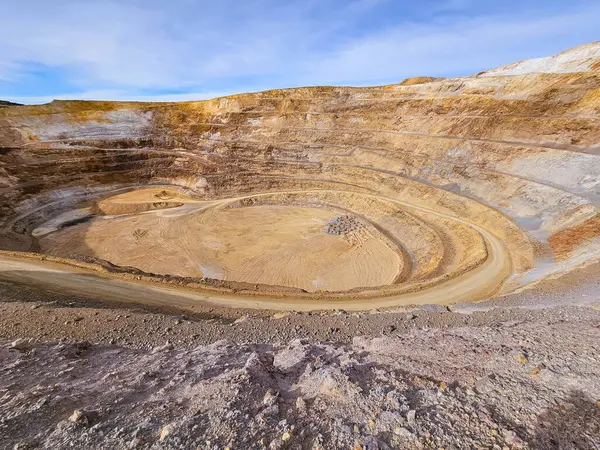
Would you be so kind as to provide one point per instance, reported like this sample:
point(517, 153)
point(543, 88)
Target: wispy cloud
point(463, 45)
point(184, 49)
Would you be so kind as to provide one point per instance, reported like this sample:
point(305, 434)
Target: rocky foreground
point(529, 383)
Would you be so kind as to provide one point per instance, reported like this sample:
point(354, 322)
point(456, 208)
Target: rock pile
point(343, 225)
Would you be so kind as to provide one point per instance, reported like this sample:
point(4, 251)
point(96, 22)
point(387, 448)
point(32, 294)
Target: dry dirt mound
point(433, 190)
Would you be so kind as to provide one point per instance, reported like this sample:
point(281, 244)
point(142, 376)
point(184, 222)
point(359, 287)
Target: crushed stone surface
point(517, 384)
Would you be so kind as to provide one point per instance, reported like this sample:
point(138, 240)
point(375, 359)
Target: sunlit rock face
point(429, 190)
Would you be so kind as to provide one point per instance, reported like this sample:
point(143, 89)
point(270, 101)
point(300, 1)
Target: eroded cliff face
point(493, 176)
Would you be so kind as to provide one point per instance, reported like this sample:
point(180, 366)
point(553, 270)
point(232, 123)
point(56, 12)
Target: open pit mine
point(429, 191)
point(405, 266)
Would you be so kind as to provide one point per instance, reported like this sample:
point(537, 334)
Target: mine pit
point(315, 198)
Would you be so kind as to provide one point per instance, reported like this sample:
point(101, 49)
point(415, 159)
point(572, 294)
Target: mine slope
point(428, 191)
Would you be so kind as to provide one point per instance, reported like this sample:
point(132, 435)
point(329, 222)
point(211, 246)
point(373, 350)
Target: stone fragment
point(410, 417)
point(81, 416)
point(164, 432)
point(270, 398)
point(301, 405)
point(21, 345)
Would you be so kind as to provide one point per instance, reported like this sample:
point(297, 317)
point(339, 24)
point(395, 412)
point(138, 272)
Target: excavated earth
point(403, 266)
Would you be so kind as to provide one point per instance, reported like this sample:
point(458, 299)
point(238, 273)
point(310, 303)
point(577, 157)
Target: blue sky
point(197, 49)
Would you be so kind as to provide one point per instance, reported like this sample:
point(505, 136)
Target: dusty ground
point(510, 379)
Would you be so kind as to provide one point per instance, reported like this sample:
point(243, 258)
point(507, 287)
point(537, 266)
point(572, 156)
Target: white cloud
point(94, 41)
point(125, 49)
point(462, 46)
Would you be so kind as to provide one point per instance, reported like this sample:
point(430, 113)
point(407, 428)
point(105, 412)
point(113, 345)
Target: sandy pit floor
point(293, 246)
point(291, 250)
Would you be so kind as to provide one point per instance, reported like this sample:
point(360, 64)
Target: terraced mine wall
point(494, 176)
